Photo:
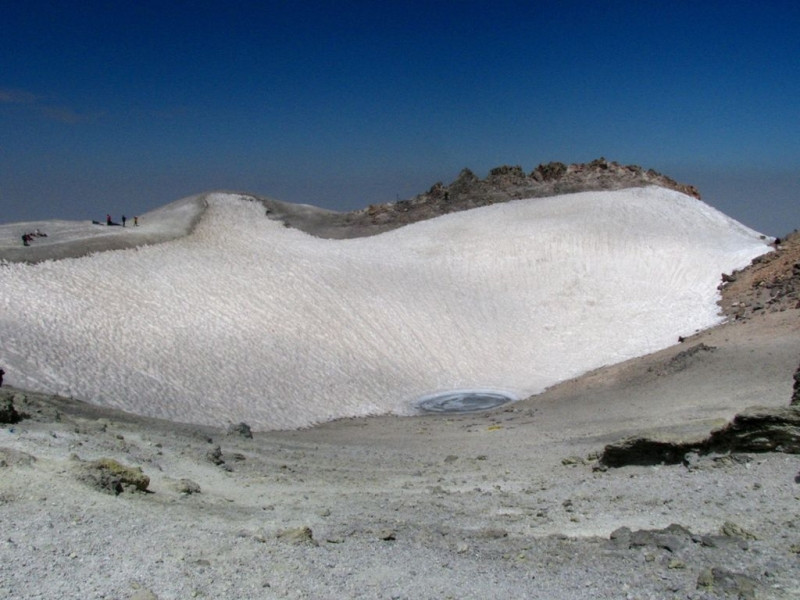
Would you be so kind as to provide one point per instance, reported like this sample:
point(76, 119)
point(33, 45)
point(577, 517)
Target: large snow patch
point(247, 320)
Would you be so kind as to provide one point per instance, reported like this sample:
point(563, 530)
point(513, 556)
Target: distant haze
point(112, 107)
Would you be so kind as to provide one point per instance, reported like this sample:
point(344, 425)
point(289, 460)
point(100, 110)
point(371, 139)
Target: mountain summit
point(244, 319)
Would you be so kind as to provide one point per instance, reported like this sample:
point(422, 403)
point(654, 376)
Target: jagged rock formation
point(506, 183)
point(753, 430)
point(468, 191)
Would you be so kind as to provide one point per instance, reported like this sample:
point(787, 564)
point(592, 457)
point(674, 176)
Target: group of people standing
point(27, 238)
point(110, 221)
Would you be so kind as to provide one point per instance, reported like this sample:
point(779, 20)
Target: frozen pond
point(463, 401)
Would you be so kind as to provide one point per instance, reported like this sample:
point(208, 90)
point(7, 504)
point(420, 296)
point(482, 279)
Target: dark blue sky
point(125, 106)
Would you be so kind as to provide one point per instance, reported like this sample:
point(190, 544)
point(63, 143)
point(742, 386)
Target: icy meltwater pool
point(463, 401)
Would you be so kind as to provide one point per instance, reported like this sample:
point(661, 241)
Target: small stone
point(731, 529)
point(187, 486)
point(492, 533)
point(705, 579)
point(215, 456)
point(8, 412)
point(727, 583)
point(240, 429)
point(297, 535)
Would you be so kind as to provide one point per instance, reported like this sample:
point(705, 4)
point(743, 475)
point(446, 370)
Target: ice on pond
point(463, 401)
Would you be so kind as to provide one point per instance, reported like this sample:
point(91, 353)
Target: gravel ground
point(503, 504)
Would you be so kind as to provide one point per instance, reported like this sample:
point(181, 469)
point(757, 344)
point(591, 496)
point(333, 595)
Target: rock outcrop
point(753, 430)
point(771, 283)
point(112, 477)
point(506, 183)
point(468, 191)
point(796, 392)
point(8, 411)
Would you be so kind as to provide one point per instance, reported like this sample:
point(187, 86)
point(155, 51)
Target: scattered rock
point(771, 283)
point(15, 458)
point(110, 476)
point(731, 529)
point(723, 541)
point(187, 486)
point(672, 538)
point(143, 594)
point(8, 412)
point(215, 456)
point(683, 359)
point(492, 533)
point(240, 429)
point(718, 580)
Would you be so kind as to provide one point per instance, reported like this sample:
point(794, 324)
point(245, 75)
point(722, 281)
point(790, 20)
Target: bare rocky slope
point(503, 183)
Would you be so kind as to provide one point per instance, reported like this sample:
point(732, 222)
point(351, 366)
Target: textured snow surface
point(247, 320)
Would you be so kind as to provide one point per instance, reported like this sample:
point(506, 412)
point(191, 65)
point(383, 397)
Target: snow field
point(246, 320)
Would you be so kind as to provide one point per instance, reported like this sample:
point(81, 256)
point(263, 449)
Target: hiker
point(1, 377)
point(123, 220)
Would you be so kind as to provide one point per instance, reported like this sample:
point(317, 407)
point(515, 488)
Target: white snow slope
point(247, 320)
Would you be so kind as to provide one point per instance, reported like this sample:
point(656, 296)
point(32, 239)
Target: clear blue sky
point(125, 106)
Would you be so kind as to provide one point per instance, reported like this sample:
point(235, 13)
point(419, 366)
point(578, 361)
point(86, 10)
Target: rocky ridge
point(502, 184)
point(506, 183)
